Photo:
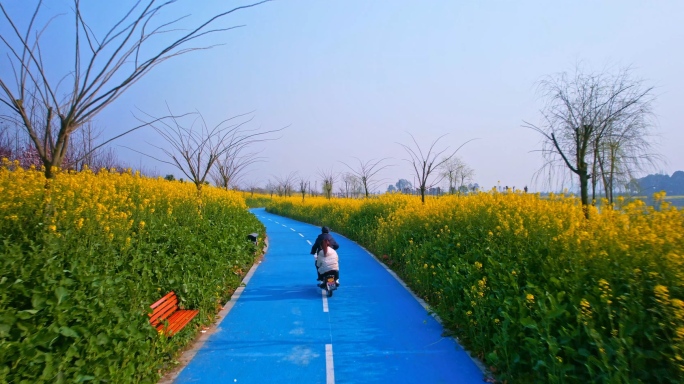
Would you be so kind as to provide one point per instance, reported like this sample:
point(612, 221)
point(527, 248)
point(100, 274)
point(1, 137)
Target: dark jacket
point(317, 244)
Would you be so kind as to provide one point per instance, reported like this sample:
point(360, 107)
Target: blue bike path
point(282, 328)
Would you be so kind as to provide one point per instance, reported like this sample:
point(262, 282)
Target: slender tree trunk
point(611, 175)
point(594, 179)
point(584, 186)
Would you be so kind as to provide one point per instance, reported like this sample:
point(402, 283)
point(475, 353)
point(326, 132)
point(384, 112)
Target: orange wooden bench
point(167, 318)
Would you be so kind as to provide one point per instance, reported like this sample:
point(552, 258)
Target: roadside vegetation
point(82, 257)
point(536, 288)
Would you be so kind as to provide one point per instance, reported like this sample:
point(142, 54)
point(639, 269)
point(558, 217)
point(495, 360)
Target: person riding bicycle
point(327, 260)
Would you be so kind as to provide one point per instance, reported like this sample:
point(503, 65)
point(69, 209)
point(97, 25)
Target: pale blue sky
point(350, 78)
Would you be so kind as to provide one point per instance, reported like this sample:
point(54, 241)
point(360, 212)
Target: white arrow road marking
point(329, 367)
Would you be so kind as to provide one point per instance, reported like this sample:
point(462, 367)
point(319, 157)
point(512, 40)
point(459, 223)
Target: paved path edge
point(189, 353)
point(429, 310)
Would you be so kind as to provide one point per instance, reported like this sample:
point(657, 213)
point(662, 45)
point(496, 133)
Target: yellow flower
point(680, 333)
point(661, 293)
point(585, 312)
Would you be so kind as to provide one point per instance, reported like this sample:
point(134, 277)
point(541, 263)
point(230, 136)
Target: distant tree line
point(672, 185)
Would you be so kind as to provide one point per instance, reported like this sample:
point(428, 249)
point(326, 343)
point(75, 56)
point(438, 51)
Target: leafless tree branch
point(103, 69)
point(592, 124)
point(366, 172)
point(425, 165)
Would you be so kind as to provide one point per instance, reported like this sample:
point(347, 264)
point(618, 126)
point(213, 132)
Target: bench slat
point(177, 321)
point(168, 295)
point(164, 310)
point(164, 315)
point(163, 306)
point(167, 318)
point(180, 319)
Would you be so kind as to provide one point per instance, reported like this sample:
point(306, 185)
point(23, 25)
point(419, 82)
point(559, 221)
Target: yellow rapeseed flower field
point(542, 293)
point(82, 257)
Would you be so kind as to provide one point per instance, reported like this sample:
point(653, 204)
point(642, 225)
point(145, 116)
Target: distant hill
point(672, 185)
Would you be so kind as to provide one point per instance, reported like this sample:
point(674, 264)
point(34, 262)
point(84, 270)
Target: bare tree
point(465, 174)
point(356, 187)
point(285, 185)
point(425, 164)
point(271, 187)
point(341, 191)
point(366, 172)
point(8, 142)
point(230, 167)
point(457, 172)
point(580, 113)
point(196, 147)
point(85, 151)
point(349, 181)
point(625, 151)
point(253, 186)
point(16, 146)
point(303, 185)
point(450, 172)
point(328, 178)
point(103, 68)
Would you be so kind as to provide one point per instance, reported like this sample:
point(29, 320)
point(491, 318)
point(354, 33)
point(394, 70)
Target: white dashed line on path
point(301, 235)
point(325, 300)
point(293, 230)
point(329, 367)
point(308, 241)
